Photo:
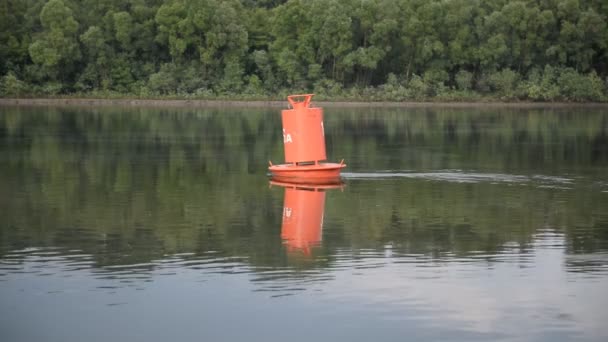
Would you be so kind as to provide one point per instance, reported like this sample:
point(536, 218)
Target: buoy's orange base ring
point(318, 173)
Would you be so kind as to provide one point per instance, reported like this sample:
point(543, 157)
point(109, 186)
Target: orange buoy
point(304, 145)
point(303, 209)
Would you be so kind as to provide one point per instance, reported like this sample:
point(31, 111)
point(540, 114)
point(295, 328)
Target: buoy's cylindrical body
point(303, 132)
point(302, 218)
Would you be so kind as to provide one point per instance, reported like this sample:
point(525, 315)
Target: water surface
point(452, 224)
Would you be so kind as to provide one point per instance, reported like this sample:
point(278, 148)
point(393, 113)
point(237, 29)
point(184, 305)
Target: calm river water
point(161, 225)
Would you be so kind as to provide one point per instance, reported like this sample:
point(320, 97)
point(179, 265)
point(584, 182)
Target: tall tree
point(56, 47)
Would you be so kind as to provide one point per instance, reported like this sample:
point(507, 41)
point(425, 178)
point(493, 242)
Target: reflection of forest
point(508, 141)
point(131, 186)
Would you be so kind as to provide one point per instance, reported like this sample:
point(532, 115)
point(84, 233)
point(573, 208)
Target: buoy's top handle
point(299, 104)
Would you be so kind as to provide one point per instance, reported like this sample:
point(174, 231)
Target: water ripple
point(459, 176)
point(290, 279)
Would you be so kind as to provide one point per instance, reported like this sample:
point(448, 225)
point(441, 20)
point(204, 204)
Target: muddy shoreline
point(41, 102)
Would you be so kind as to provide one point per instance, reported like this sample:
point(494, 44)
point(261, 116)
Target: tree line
point(541, 50)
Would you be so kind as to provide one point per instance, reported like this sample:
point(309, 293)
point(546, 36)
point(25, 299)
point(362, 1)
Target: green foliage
point(435, 79)
point(417, 88)
point(254, 86)
point(164, 81)
point(51, 88)
point(56, 47)
point(123, 25)
point(232, 80)
point(10, 85)
point(504, 82)
point(327, 88)
point(464, 80)
point(579, 87)
point(120, 74)
point(541, 85)
point(515, 49)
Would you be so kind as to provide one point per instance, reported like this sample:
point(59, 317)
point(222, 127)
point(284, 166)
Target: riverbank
point(85, 102)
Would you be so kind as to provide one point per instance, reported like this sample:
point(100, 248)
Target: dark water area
point(161, 224)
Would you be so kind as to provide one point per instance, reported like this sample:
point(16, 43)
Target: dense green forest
point(539, 50)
